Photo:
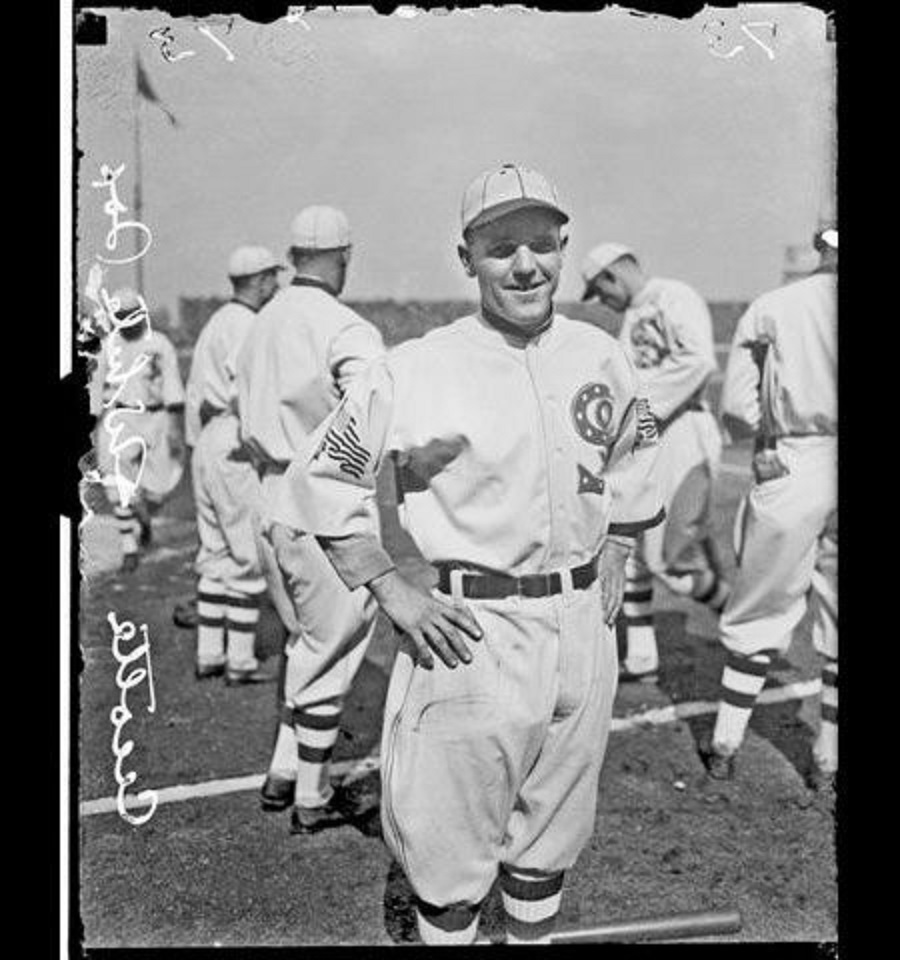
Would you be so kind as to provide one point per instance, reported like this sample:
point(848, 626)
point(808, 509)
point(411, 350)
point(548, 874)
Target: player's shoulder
point(673, 290)
point(443, 340)
point(583, 333)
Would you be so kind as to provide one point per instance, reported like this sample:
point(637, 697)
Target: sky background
point(708, 165)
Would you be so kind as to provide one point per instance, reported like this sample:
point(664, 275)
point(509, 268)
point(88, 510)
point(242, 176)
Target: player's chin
point(527, 307)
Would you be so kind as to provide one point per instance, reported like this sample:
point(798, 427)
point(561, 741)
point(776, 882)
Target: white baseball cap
point(245, 261)
point(320, 228)
point(499, 191)
point(598, 260)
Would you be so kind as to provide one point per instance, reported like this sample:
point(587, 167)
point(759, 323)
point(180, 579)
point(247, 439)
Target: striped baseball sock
point(447, 926)
point(742, 680)
point(316, 731)
point(284, 754)
point(211, 602)
point(128, 526)
point(242, 617)
point(531, 901)
point(641, 654)
point(825, 749)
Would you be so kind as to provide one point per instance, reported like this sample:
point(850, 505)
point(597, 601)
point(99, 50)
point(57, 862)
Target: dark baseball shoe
point(146, 535)
point(720, 766)
point(204, 671)
point(185, 614)
point(344, 807)
point(646, 676)
point(277, 793)
point(130, 563)
point(240, 678)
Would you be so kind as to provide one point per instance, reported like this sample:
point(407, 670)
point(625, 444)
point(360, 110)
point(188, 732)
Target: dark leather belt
point(148, 408)
point(497, 586)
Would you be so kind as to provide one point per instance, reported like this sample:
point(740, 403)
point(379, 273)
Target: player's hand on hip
point(432, 624)
point(611, 573)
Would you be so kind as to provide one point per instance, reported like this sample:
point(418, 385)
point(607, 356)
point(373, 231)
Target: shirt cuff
point(358, 559)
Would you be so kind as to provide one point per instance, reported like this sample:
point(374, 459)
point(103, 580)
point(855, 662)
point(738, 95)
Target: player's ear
point(563, 243)
point(466, 260)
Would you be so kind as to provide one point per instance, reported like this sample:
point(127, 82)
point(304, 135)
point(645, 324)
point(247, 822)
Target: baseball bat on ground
point(678, 926)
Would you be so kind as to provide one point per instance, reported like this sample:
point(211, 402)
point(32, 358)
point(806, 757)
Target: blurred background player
point(780, 388)
point(303, 352)
point(667, 332)
point(138, 397)
point(226, 484)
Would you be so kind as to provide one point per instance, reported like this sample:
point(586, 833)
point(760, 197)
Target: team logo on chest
point(592, 413)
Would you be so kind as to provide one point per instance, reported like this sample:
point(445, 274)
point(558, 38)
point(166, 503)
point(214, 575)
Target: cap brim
point(511, 206)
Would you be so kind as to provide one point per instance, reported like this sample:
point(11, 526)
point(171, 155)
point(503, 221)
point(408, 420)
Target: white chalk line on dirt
point(350, 770)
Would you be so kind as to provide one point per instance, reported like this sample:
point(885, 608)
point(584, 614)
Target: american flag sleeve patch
point(342, 445)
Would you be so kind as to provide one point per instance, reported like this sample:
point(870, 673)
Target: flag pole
point(138, 199)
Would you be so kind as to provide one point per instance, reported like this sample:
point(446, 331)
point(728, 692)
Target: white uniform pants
point(226, 494)
point(330, 626)
point(497, 761)
point(786, 545)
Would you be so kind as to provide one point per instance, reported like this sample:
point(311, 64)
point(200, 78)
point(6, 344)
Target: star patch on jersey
point(342, 444)
point(647, 428)
point(589, 482)
point(592, 413)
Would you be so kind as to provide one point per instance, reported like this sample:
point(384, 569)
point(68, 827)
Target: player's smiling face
point(516, 260)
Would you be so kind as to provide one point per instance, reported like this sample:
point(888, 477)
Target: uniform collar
point(302, 281)
point(515, 335)
point(242, 303)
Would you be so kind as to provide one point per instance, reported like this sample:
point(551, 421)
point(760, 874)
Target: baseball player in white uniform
point(304, 351)
point(667, 332)
point(522, 452)
point(780, 388)
point(226, 484)
point(138, 397)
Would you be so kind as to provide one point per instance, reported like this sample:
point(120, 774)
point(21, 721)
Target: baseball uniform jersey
point(226, 485)
point(786, 532)
point(510, 459)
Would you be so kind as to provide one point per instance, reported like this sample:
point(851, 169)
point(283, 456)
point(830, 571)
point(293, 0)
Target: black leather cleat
point(277, 793)
point(344, 807)
point(240, 678)
point(185, 614)
point(720, 766)
point(146, 535)
point(203, 671)
point(130, 563)
point(648, 676)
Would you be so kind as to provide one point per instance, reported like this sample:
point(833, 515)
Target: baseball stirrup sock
point(641, 654)
point(242, 618)
point(742, 680)
point(531, 901)
point(456, 924)
point(211, 602)
point(284, 752)
point(128, 527)
point(825, 749)
point(316, 731)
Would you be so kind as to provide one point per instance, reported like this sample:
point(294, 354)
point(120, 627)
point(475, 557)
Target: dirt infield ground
point(217, 870)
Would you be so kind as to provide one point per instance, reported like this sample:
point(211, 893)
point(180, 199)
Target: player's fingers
point(454, 640)
point(459, 614)
point(423, 654)
point(439, 645)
